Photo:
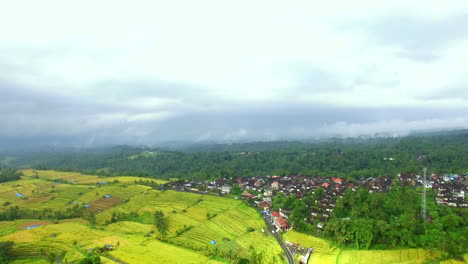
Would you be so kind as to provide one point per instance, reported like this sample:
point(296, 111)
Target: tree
point(9, 175)
point(92, 220)
point(160, 222)
point(236, 190)
point(255, 257)
point(92, 258)
point(12, 213)
point(319, 192)
point(5, 248)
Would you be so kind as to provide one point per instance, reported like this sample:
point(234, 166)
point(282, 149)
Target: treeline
point(5, 251)
point(349, 158)
point(7, 175)
point(10, 213)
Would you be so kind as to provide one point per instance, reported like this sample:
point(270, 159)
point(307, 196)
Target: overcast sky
point(148, 71)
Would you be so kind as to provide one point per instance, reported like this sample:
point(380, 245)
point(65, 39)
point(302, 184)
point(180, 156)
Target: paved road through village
point(272, 230)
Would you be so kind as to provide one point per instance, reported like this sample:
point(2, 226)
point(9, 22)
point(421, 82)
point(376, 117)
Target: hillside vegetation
point(352, 158)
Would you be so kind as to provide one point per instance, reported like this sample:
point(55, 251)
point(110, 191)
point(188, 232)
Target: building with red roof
point(264, 205)
point(281, 223)
point(247, 195)
point(337, 180)
point(258, 183)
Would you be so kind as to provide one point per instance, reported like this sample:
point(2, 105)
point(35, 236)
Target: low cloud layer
point(150, 71)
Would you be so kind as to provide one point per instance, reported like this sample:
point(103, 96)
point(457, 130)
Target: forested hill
point(357, 157)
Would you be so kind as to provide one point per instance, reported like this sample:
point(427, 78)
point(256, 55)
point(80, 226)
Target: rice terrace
point(85, 212)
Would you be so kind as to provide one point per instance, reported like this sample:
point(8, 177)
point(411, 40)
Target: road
point(271, 229)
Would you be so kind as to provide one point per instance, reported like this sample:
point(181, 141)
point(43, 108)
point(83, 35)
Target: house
point(268, 191)
point(258, 183)
point(337, 180)
point(246, 195)
point(226, 189)
point(264, 205)
point(285, 212)
point(281, 223)
point(275, 185)
point(275, 214)
point(325, 184)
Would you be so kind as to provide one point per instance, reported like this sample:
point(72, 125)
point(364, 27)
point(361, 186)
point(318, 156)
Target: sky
point(141, 72)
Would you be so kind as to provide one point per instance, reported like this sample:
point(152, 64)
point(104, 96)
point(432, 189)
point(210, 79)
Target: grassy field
point(194, 221)
point(324, 252)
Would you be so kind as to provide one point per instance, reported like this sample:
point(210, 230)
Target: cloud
point(156, 70)
point(394, 127)
point(420, 35)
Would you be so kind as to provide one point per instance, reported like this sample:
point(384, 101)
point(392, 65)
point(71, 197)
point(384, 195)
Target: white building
point(226, 189)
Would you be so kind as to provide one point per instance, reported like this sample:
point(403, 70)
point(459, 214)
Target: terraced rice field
point(194, 221)
point(324, 252)
point(79, 178)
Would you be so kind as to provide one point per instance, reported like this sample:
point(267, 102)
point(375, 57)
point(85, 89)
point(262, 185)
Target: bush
point(5, 248)
point(7, 175)
point(91, 259)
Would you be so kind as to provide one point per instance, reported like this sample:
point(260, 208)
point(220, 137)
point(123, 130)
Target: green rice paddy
point(193, 221)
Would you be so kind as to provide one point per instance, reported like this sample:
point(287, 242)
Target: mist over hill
point(441, 152)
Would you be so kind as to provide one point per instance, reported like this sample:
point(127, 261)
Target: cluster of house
point(450, 189)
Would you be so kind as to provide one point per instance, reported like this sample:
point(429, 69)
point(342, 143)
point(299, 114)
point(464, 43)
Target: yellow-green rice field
point(324, 252)
point(194, 221)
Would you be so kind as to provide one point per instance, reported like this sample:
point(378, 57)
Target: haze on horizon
point(141, 72)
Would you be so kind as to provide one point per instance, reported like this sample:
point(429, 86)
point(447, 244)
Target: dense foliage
point(9, 175)
point(160, 223)
point(349, 158)
point(364, 220)
point(91, 258)
point(5, 248)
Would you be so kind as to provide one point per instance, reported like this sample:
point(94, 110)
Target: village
point(450, 189)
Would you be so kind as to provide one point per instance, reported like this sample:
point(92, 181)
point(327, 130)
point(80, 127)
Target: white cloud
point(392, 127)
point(226, 55)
